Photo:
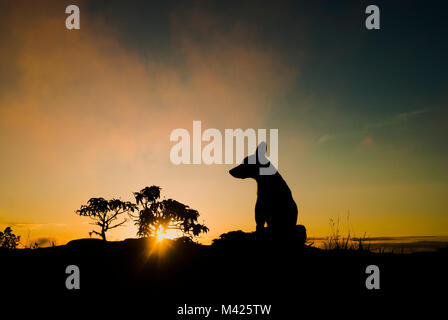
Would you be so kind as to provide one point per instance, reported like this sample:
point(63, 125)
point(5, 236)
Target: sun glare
point(166, 234)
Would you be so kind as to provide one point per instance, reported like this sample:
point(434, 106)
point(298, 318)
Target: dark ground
point(242, 271)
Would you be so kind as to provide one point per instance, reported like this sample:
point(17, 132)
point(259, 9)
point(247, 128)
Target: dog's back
point(275, 204)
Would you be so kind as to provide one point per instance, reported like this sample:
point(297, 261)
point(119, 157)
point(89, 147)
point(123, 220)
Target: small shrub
point(8, 239)
point(335, 241)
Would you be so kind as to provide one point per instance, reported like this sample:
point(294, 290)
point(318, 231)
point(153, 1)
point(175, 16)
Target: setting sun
point(166, 234)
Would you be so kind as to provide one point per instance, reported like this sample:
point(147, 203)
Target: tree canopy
point(156, 216)
point(106, 213)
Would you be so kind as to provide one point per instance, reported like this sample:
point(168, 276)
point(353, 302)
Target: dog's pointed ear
point(262, 149)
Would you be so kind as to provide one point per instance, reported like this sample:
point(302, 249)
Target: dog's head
point(253, 165)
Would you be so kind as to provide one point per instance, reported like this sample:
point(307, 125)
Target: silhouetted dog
point(275, 205)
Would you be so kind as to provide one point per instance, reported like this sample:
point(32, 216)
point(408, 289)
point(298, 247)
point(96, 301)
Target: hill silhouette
point(236, 268)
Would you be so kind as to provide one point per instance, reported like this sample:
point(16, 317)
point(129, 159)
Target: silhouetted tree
point(155, 216)
point(105, 213)
point(8, 239)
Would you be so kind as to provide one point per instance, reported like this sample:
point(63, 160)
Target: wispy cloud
point(368, 140)
point(326, 138)
point(29, 225)
point(397, 119)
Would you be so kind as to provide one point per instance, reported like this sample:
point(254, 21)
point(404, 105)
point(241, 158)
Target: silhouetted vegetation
point(238, 266)
point(8, 239)
point(335, 241)
point(153, 216)
point(157, 216)
point(237, 238)
point(105, 213)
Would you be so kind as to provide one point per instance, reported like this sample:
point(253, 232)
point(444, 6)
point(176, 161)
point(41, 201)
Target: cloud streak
point(326, 138)
point(397, 119)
